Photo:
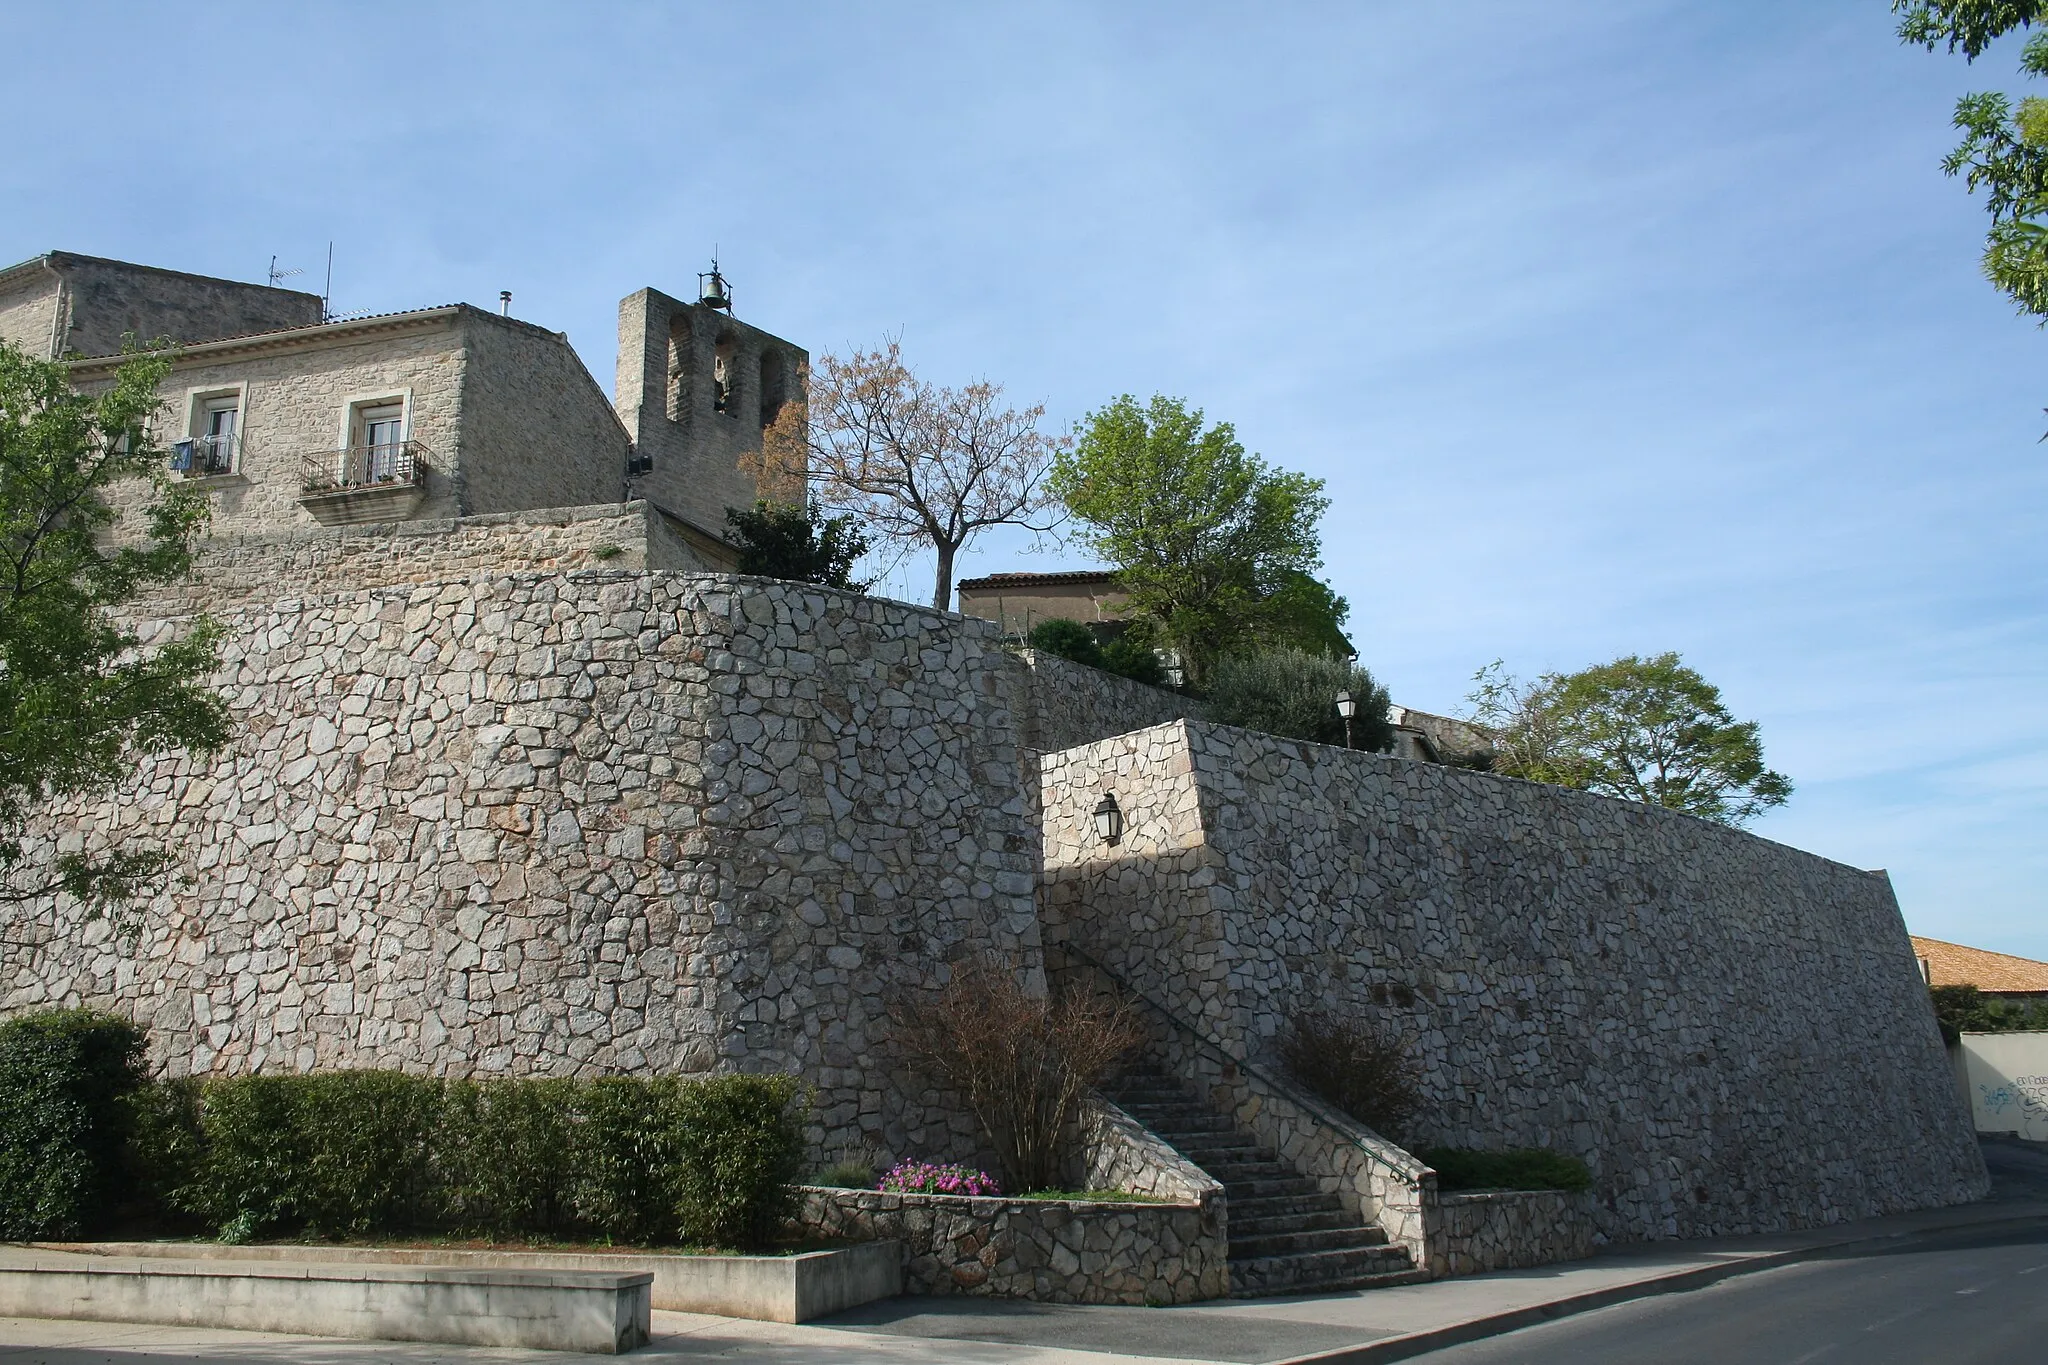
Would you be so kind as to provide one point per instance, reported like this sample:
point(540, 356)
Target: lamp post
point(1347, 707)
point(1109, 819)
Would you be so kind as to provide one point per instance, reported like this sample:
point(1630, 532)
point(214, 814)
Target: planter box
point(585, 1311)
point(809, 1284)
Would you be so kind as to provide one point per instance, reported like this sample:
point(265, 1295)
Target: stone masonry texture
point(569, 823)
point(1730, 1033)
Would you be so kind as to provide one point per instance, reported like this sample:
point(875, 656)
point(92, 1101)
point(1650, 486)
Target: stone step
point(1180, 1120)
point(1237, 1172)
point(1315, 1271)
point(1281, 1205)
point(1265, 1186)
point(1297, 1241)
point(1293, 1220)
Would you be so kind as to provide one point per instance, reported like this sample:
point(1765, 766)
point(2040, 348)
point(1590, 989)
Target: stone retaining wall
point(1054, 1251)
point(1655, 994)
point(1481, 1230)
point(1061, 704)
point(568, 823)
point(232, 571)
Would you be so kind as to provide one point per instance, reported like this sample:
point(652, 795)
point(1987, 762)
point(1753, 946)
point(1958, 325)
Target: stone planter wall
point(1480, 1230)
point(1053, 1251)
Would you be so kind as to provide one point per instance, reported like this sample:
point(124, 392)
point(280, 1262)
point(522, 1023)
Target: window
point(213, 435)
point(383, 440)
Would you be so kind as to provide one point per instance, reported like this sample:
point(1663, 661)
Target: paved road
point(1958, 1299)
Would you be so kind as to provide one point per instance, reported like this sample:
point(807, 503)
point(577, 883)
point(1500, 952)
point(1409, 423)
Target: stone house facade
point(289, 420)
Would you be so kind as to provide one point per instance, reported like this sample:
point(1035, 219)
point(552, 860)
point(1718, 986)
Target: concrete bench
point(555, 1310)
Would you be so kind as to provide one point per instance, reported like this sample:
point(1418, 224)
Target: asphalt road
point(1956, 1300)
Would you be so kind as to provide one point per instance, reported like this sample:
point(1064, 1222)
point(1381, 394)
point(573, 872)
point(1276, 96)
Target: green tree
point(797, 542)
point(1649, 730)
point(1209, 542)
point(1293, 693)
point(82, 700)
point(2004, 150)
point(1130, 655)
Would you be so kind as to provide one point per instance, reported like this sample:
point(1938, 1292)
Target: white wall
point(2006, 1077)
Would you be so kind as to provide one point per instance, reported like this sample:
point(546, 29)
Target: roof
point(1952, 964)
point(342, 330)
point(55, 260)
point(1078, 578)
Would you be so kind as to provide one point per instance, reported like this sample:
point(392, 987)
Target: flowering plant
point(923, 1177)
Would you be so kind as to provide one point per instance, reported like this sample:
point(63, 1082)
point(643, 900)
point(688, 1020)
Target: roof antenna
point(712, 289)
point(327, 292)
point(277, 276)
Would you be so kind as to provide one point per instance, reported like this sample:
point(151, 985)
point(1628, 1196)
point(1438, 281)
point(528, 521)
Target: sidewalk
point(1330, 1329)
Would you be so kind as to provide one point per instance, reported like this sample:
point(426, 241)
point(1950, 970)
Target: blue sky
point(1614, 327)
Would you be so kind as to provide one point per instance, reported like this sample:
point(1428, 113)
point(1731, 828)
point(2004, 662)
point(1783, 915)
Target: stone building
point(521, 788)
point(289, 420)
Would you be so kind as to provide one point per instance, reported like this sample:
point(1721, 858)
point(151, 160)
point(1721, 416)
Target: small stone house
point(290, 419)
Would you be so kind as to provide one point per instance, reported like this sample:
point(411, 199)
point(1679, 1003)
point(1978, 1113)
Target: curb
point(1411, 1344)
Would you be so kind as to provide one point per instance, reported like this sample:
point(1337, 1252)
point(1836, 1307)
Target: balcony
point(204, 457)
point(364, 483)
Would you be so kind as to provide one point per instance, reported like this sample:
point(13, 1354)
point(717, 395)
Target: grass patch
point(1520, 1168)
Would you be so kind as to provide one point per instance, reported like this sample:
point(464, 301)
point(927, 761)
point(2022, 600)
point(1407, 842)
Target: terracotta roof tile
point(1952, 964)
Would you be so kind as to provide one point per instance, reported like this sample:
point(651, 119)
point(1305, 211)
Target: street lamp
point(1109, 819)
point(1347, 707)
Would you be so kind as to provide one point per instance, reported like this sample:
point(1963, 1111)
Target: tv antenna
point(277, 276)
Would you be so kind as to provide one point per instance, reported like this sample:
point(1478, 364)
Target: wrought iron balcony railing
point(395, 464)
point(200, 456)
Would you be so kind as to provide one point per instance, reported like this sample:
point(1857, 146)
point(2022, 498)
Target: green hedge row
point(645, 1161)
point(1518, 1168)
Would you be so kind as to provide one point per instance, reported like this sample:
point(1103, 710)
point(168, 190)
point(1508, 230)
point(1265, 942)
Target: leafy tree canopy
point(1965, 1009)
point(797, 542)
point(2004, 150)
point(82, 699)
point(1293, 693)
point(1209, 542)
point(1129, 655)
point(1649, 730)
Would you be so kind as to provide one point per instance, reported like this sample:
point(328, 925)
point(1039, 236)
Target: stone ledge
point(546, 1310)
point(809, 1284)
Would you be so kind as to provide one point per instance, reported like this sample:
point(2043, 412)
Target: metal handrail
point(394, 464)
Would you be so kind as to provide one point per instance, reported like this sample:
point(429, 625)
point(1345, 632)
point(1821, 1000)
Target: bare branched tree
point(921, 464)
point(1021, 1062)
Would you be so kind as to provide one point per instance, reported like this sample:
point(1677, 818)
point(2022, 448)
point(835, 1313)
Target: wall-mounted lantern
point(1347, 707)
point(1109, 819)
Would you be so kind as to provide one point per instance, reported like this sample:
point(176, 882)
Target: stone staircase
point(1286, 1236)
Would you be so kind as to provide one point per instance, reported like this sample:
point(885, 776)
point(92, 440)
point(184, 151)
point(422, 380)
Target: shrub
point(742, 1151)
point(1293, 694)
point(166, 1147)
point(504, 1151)
point(622, 1159)
point(627, 1147)
point(65, 1076)
point(1350, 1063)
point(1520, 1168)
point(1068, 639)
point(846, 1175)
point(1964, 1009)
point(1130, 655)
point(1020, 1062)
point(922, 1177)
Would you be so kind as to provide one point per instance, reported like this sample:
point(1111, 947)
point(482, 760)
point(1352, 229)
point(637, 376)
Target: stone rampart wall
point(1063, 704)
point(1482, 1230)
point(574, 823)
point(1054, 1251)
point(235, 571)
point(1659, 996)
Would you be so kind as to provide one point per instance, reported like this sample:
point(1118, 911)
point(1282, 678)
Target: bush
point(65, 1078)
point(622, 1159)
point(742, 1152)
point(846, 1175)
point(1355, 1067)
point(505, 1151)
point(1293, 694)
point(1964, 1009)
point(1068, 639)
point(1520, 1168)
point(1130, 656)
point(1020, 1062)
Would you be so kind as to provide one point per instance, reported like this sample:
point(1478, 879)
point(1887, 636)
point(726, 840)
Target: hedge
point(85, 1138)
point(65, 1080)
point(1518, 1168)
